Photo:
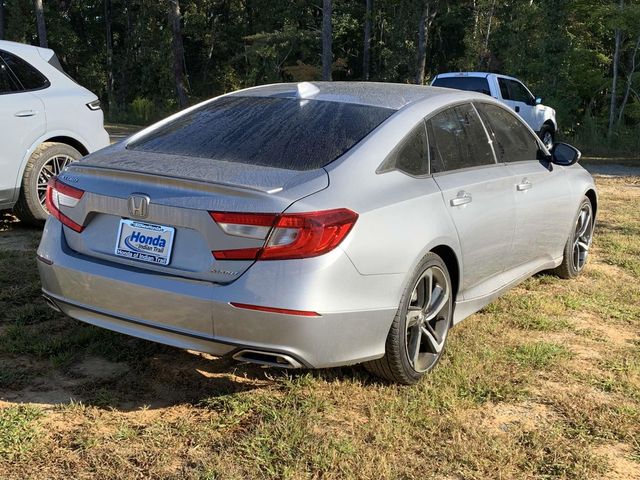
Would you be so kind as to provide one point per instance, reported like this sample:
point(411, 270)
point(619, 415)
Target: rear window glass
point(411, 155)
point(7, 81)
point(293, 134)
point(471, 84)
point(29, 77)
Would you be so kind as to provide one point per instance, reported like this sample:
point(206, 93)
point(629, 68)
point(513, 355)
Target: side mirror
point(564, 154)
point(538, 101)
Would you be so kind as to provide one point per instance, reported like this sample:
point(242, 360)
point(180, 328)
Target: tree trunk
point(1, 19)
point(426, 19)
point(476, 19)
point(109, 45)
point(327, 54)
point(42, 28)
point(486, 40)
point(178, 53)
point(632, 70)
point(614, 81)
point(366, 51)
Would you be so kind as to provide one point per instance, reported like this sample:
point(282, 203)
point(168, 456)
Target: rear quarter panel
point(580, 182)
point(401, 218)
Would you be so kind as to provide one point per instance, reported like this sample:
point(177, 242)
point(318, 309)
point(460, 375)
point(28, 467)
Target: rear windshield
point(287, 133)
point(472, 84)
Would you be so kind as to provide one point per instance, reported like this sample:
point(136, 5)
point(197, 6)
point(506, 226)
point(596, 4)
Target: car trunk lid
point(180, 193)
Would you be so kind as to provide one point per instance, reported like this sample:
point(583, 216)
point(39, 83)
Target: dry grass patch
point(544, 383)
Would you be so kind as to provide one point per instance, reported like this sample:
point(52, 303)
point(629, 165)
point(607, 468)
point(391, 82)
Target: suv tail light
point(95, 105)
point(61, 194)
point(287, 236)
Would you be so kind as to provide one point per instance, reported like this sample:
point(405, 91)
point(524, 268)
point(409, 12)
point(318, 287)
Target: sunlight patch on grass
point(18, 430)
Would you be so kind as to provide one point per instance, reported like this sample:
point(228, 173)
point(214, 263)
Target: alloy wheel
point(547, 139)
point(582, 237)
point(51, 168)
point(428, 319)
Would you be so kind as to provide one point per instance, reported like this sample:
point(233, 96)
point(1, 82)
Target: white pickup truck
point(511, 92)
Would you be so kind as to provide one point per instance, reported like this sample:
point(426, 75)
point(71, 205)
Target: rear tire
point(420, 328)
point(576, 250)
point(48, 160)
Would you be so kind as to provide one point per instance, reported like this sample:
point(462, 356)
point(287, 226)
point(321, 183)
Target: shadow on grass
point(112, 371)
point(47, 358)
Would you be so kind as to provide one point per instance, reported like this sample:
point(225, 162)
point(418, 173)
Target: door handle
point(462, 199)
point(525, 185)
point(26, 113)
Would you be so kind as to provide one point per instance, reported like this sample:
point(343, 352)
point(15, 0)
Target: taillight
point(95, 105)
point(287, 236)
point(61, 194)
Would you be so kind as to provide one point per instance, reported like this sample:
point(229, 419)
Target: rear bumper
point(356, 311)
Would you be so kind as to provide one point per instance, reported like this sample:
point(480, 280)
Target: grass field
point(544, 383)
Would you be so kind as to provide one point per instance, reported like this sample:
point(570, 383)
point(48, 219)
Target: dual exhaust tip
point(266, 358)
point(251, 356)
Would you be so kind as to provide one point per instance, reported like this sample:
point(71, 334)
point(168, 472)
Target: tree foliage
point(563, 49)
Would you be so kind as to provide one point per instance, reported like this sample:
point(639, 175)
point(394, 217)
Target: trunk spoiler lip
point(235, 186)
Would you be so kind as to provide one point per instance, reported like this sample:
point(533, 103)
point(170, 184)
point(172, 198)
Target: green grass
point(534, 386)
point(539, 354)
point(18, 431)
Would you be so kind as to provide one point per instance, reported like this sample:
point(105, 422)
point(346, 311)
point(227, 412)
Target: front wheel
point(547, 136)
point(576, 249)
point(47, 161)
point(419, 330)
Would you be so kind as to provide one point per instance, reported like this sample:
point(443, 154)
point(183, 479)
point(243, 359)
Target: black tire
point(29, 208)
point(573, 264)
point(548, 136)
point(396, 366)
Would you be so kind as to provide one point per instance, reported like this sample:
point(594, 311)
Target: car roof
point(27, 51)
point(385, 95)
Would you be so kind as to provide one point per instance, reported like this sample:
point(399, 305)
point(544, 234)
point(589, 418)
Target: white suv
point(46, 121)
point(510, 91)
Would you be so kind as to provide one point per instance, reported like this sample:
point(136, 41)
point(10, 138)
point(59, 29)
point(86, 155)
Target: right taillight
point(95, 105)
point(61, 194)
point(287, 236)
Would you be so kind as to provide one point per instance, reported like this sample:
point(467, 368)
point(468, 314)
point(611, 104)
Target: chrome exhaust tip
point(267, 358)
point(49, 301)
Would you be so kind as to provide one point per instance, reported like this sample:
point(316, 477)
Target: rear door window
point(471, 84)
point(8, 82)
point(512, 141)
point(411, 155)
point(288, 133)
point(29, 77)
point(457, 139)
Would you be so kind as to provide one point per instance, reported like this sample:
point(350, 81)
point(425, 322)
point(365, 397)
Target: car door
point(22, 122)
point(540, 189)
point(518, 97)
point(477, 193)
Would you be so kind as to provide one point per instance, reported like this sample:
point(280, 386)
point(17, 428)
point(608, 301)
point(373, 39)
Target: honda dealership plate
point(145, 242)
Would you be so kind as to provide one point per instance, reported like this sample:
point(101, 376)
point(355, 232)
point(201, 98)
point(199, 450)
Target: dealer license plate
point(145, 242)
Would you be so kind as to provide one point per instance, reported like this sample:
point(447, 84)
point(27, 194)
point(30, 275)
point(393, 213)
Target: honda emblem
point(138, 205)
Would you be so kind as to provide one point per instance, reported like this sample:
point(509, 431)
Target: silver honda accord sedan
point(314, 224)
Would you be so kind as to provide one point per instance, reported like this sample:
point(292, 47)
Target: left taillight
point(60, 194)
point(287, 236)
